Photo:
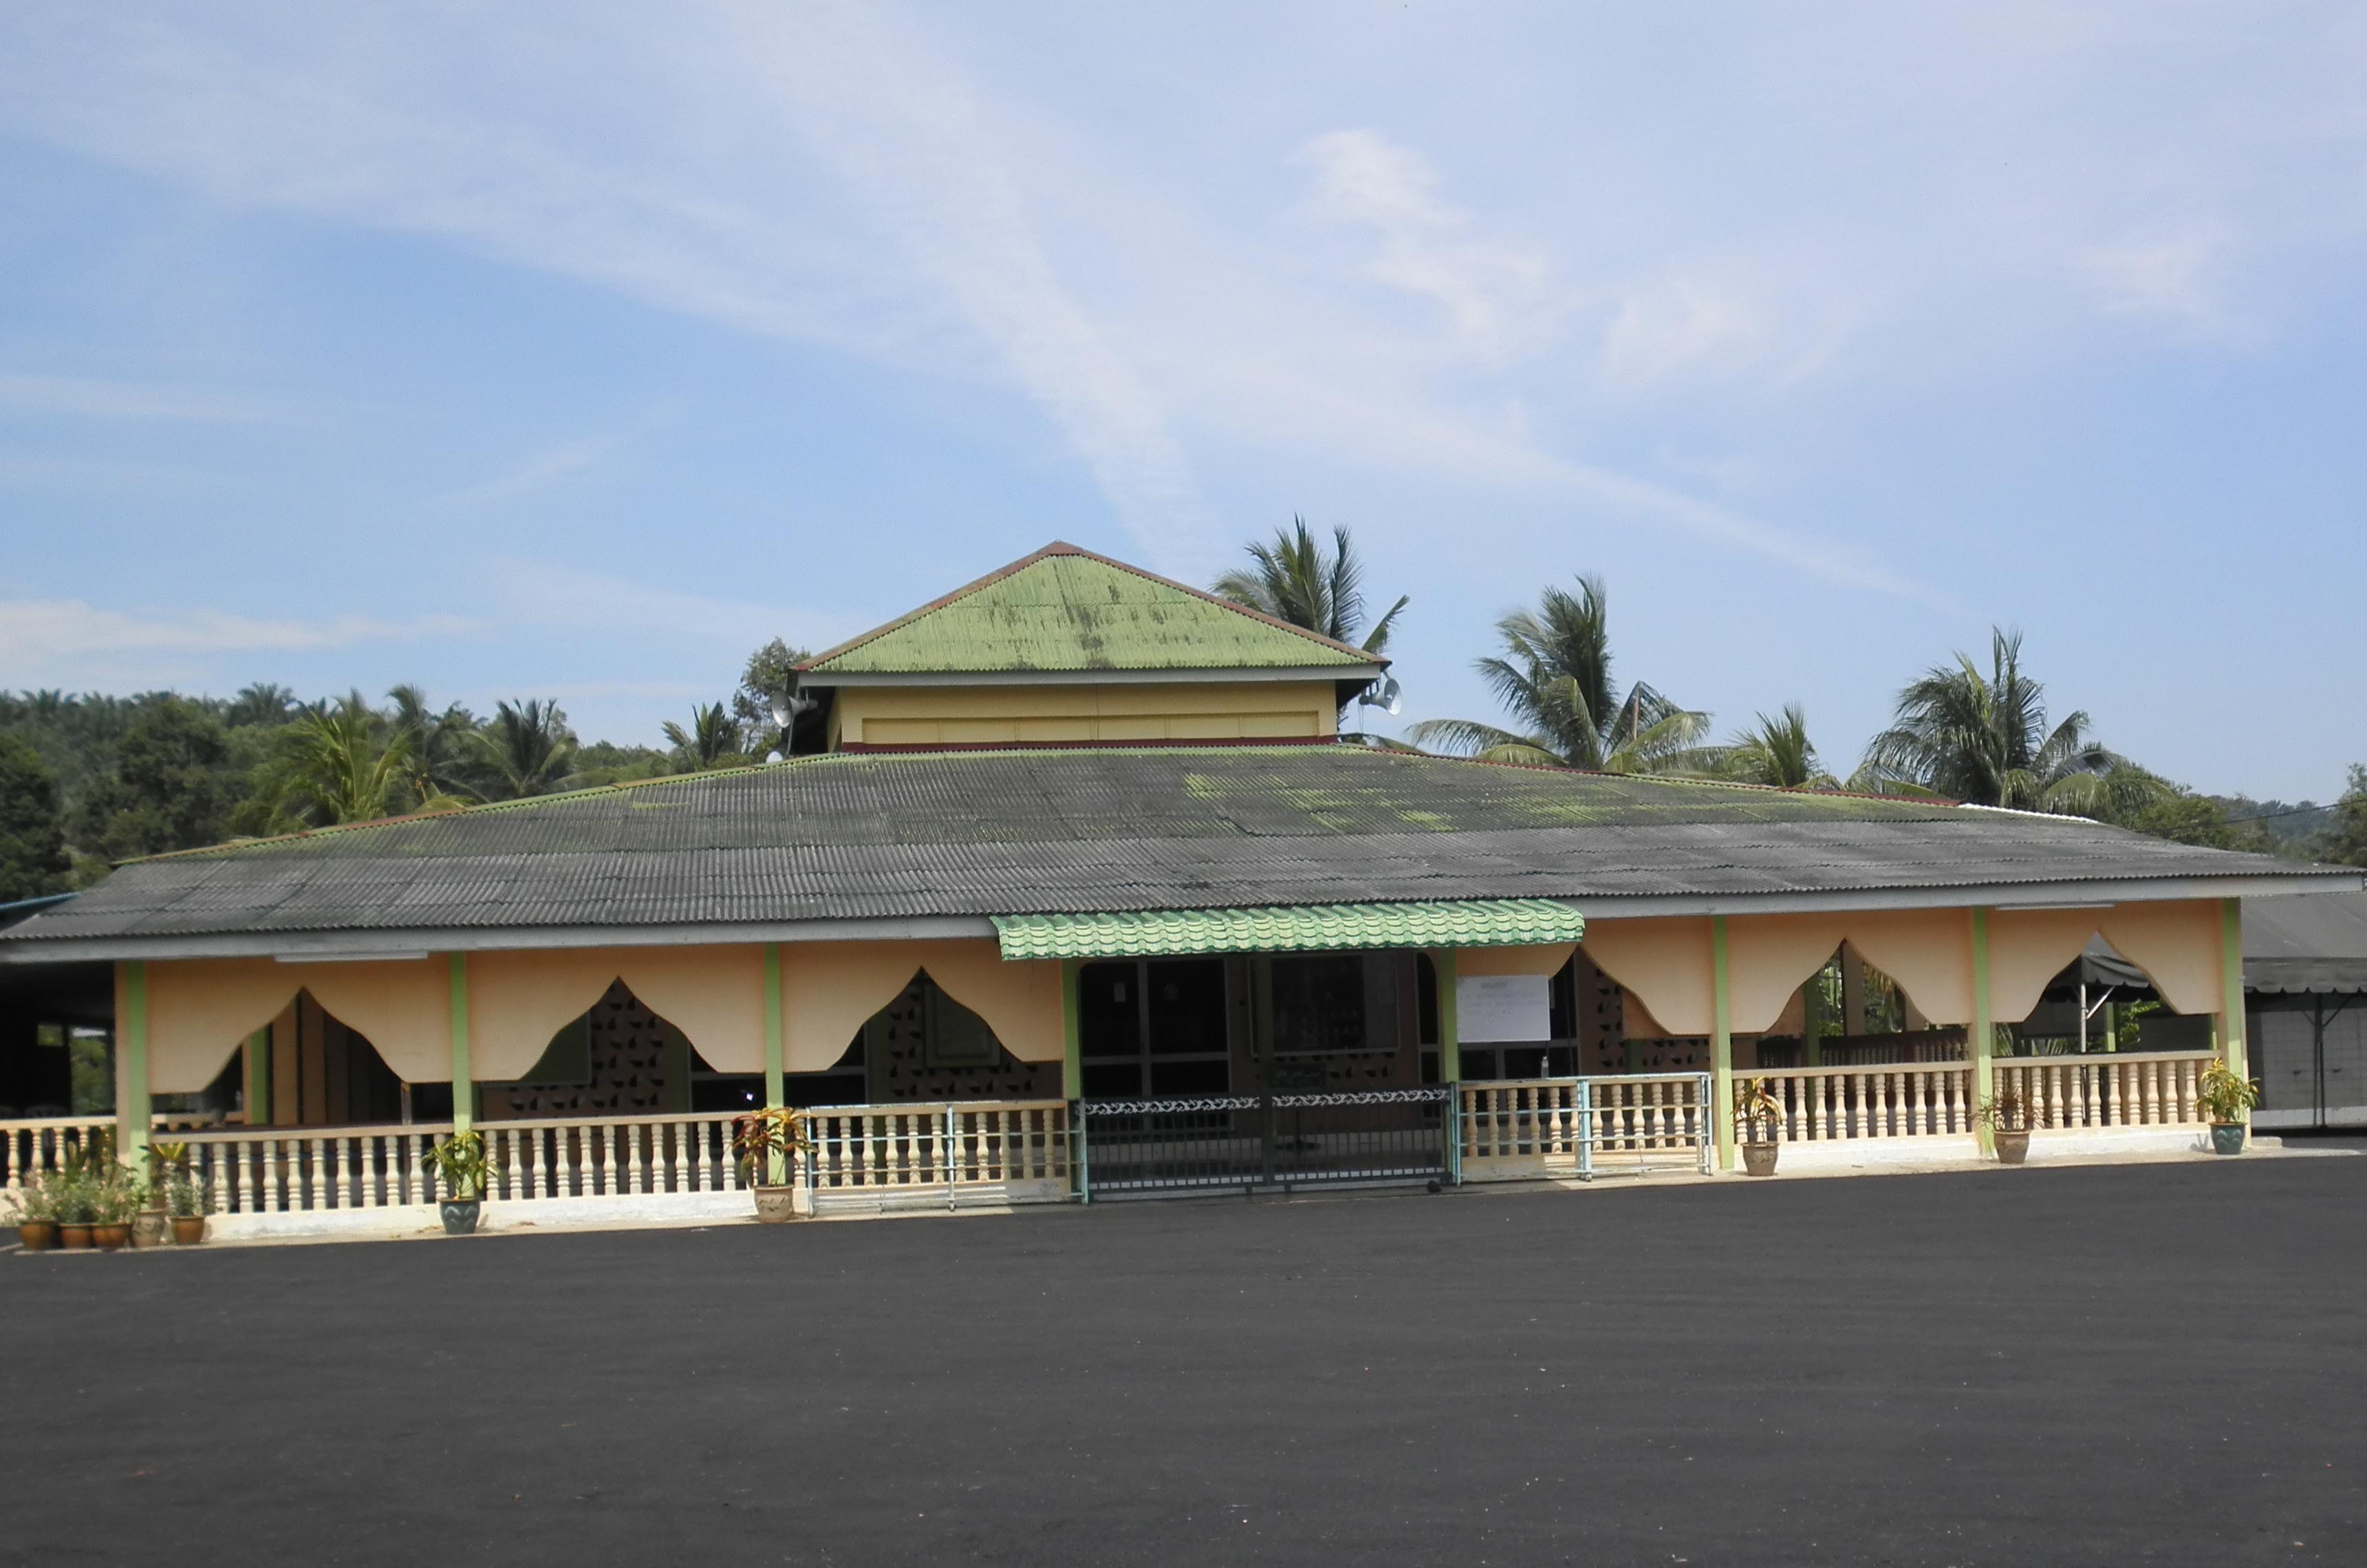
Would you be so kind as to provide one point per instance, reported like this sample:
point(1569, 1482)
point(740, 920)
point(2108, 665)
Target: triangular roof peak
point(1066, 610)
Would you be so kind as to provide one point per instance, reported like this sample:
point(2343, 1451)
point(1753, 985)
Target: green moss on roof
point(1066, 609)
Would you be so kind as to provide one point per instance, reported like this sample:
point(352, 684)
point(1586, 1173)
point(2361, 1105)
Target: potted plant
point(771, 1143)
point(2006, 1114)
point(119, 1200)
point(2227, 1099)
point(189, 1201)
point(37, 1212)
point(148, 1225)
point(76, 1191)
point(458, 1162)
point(1757, 1116)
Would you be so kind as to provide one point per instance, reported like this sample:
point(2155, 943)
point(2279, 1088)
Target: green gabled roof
point(1318, 928)
point(1067, 609)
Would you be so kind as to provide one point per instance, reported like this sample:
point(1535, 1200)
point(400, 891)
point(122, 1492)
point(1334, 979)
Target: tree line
point(87, 781)
point(1964, 731)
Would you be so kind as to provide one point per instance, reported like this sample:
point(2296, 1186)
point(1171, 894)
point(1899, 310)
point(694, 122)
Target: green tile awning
point(1313, 928)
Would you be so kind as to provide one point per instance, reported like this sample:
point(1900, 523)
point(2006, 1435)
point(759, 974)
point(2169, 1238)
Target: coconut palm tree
point(1984, 739)
point(713, 740)
point(1774, 752)
point(528, 748)
point(445, 762)
point(336, 767)
point(1555, 678)
point(262, 703)
point(1296, 580)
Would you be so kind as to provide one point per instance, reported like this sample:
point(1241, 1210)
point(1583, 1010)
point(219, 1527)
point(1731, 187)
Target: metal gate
point(1273, 1142)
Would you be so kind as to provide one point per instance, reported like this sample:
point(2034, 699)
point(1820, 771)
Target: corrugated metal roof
point(2301, 946)
point(1066, 609)
point(982, 833)
point(1469, 923)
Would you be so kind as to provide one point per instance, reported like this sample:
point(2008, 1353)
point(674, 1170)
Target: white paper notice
point(1493, 1007)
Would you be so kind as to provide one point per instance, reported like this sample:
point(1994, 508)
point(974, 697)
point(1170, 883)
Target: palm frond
point(1463, 737)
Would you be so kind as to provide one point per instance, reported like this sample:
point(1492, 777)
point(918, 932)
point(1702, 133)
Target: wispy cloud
point(934, 237)
point(2172, 277)
point(540, 594)
point(44, 631)
point(558, 464)
point(85, 397)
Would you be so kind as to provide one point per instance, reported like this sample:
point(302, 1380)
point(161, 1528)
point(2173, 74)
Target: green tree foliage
point(441, 763)
point(32, 830)
point(1295, 578)
point(1774, 752)
point(527, 751)
point(1554, 677)
point(713, 740)
point(1984, 738)
point(2346, 842)
point(172, 787)
point(340, 764)
point(769, 677)
point(262, 705)
point(2185, 818)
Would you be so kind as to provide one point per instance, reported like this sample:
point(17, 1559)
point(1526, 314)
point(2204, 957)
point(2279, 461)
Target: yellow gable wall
point(1215, 710)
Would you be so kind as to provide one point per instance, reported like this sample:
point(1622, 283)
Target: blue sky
point(574, 350)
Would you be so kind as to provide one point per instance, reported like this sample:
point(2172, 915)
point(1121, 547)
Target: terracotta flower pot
point(188, 1229)
point(73, 1236)
point(2012, 1147)
point(1759, 1159)
point(108, 1238)
point(38, 1235)
point(148, 1228)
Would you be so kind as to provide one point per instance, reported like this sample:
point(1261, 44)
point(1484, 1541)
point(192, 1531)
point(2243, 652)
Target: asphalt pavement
point(2161, 1363)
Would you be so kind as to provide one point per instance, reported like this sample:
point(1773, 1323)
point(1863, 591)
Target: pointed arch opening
point(619, 1057)
point(925, 1044)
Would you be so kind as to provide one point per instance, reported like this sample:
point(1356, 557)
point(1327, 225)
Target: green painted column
point(131, 1066)
point(1072, 1053)
point(1980, 1036)
point(1814, 1020)
point(464, 1096)
point(1721, 1043)
point(775, 1053)
point(2232, 1044)
point(256, 1062)
point(1450, 1022)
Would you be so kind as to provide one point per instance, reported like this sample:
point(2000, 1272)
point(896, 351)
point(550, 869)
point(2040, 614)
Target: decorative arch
point(202, 1010)
point(1664, 963)
point(519, 1000)
point(828, 989)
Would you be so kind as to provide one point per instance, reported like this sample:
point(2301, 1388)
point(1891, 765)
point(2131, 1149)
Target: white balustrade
point(2132, 1091)
point(1903, 1100)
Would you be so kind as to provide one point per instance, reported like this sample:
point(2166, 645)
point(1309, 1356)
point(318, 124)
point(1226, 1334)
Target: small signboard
point(1502, 1007)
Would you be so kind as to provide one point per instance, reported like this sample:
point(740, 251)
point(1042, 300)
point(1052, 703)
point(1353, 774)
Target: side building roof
point(1067, 611)
point(2304, 946)
point(937, 842)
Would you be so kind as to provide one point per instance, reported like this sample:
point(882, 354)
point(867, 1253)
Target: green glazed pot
point(2227, 1137)
point(459, 1219)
